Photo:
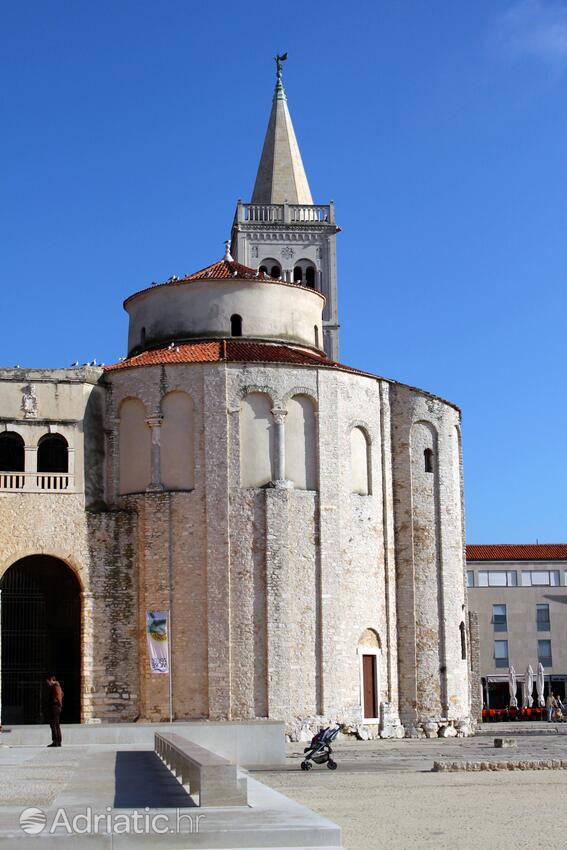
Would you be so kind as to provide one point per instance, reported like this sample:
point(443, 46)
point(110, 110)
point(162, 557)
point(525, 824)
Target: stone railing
point(285, 213)
point(36, 482)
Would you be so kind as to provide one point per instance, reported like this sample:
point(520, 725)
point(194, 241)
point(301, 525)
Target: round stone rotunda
point(302, 520)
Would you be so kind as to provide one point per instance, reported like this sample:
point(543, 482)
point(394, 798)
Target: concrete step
point(258, 742)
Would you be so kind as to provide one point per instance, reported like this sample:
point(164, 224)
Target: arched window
point(301, 443)
point(271, 266)
point(143, 336)
point(52, 454)
point(304, 272)
point(135, 447)
point(177, 449)
point(360, 462)
point(316, 335)
point(256, 440)
point(12, 454)
point(236, 325)
point(428, 460)
point(463, 641)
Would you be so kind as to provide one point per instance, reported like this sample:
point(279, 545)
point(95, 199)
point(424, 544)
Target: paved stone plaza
point(384, 795)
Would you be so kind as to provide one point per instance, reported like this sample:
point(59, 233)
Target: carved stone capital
point(279, 415)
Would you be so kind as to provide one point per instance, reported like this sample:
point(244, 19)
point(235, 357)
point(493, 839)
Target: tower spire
point(281, 176)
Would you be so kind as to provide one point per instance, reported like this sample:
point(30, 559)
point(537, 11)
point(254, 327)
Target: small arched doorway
point(41, 634)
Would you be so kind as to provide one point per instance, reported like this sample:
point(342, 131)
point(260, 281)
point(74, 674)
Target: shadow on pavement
point(142, 779)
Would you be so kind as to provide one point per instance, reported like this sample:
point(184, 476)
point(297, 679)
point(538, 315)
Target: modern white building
point(519, 592)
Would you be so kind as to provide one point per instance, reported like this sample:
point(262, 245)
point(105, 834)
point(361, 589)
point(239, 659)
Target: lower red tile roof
point(228, 350)
point(517, 552)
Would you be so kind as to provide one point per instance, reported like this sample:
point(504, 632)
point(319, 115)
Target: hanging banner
point(158, 644)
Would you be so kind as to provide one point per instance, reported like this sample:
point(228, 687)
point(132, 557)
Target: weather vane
point(279, 60)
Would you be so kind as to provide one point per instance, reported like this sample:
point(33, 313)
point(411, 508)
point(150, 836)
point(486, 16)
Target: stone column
point(30, 465)
point(279, 459)
point(154, 423)
point(87, 655)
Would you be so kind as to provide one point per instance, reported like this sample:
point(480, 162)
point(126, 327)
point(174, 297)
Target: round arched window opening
point(143, 336)
point(236, 325)
point(12, 453)
point(53, 454)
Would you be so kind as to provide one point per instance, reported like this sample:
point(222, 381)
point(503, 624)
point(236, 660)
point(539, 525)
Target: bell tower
point(281, 231)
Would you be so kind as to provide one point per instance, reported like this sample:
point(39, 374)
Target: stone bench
point(210, 776)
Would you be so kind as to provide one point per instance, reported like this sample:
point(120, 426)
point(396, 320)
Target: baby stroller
point(320, 750)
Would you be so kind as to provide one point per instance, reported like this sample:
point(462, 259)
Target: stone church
point(301, 520)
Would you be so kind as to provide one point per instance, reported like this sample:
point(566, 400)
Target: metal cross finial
point(278, 60)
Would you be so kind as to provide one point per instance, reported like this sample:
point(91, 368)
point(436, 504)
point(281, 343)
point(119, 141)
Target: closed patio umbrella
point(512, 687)
point(540, 681)
point(527, 688)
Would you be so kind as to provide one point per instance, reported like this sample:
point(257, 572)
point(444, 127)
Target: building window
point(12, 453)
point(470, 578)
point(428, 460)
point(270, 266)
point(304, 273)
point(360, 479)
point(236, 325)
point(497, 578)
point(463, 641)
point(542, 617)
point(501, 653)
point(499, 618)
point(143, 336)
point(544, 652)
point(540, 578)
point(52, 454)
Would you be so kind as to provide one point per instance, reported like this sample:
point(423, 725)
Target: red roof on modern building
point(228, 350)
point(517, 552)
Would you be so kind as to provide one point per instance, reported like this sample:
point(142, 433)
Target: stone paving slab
point(118, 782)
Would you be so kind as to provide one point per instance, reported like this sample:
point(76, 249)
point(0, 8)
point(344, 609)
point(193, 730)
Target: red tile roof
point(226, 270)
point(229, 350)
point(517, 552)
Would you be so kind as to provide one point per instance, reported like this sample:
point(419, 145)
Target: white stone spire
point(281, 177)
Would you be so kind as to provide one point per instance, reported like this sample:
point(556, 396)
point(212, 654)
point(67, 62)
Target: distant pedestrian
point(54, 709)
point(550, 706)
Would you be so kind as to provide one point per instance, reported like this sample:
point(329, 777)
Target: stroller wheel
point(332, 765)
point(306, 765)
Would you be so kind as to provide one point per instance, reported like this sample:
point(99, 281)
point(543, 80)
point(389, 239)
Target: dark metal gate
point(40, 634)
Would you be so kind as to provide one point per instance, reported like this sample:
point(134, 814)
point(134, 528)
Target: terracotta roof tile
point(229, 350)
point(517, 552)
point(226, 270)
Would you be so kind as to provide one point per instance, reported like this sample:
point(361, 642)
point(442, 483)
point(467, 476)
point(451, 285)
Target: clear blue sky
point(440, 130)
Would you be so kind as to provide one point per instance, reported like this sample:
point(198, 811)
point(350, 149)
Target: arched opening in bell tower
point(41, 634)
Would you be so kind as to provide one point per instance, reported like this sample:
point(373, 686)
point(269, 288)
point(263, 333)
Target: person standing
point(550, 706)
point(55, 706)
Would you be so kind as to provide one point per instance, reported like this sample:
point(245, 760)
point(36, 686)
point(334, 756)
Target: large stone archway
point(41, 633)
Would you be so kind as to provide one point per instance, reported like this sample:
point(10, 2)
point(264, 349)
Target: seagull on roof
point(76, 363)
